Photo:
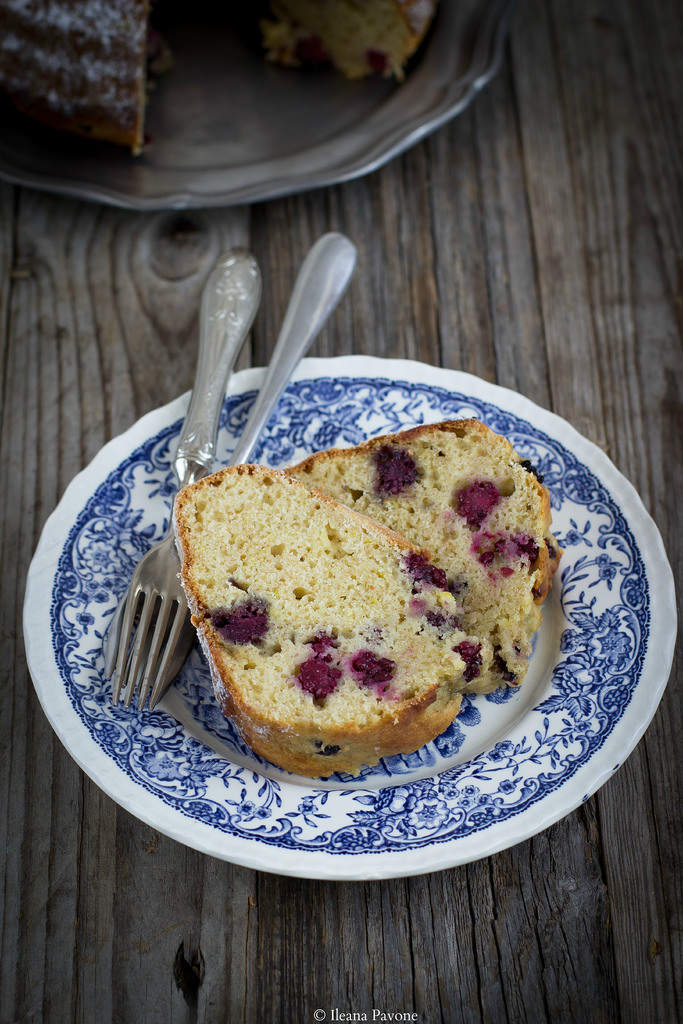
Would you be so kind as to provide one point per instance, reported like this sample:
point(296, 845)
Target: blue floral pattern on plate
point(506, 754)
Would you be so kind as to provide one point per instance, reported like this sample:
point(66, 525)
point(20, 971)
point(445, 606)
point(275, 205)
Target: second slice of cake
point(460, 490)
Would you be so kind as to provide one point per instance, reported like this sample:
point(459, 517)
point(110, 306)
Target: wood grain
point(536, 241)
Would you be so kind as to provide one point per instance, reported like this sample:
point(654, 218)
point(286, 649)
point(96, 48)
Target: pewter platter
point(227, 128)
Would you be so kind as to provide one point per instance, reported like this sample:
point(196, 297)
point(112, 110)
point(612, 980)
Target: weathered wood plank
point(512, 276)
point(465, 327)
point(625, 193)
point(562, 278)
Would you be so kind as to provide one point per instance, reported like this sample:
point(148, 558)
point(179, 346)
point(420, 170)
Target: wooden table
point(536, 241)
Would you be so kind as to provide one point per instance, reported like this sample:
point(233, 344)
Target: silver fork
point(150, 635)
point(152, 656)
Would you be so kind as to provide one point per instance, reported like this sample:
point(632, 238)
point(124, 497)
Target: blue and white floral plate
point(514, 761)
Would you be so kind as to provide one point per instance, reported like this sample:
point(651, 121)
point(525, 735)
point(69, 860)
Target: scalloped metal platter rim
point(210, 152)
point(407, 817)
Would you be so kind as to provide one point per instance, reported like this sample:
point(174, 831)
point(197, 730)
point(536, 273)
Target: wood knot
point(180, 246)
point(188, 973)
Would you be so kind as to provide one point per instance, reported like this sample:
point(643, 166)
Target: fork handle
point(230, 300)
point(321, 282)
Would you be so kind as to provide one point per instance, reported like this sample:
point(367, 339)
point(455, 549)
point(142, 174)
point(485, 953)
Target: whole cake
point(461, 491)
point(332, 642)
point(359, 39)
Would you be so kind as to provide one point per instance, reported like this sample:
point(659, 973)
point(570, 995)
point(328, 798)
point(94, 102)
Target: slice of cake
point(359, 39)
point(462, 492)
point(332, 642)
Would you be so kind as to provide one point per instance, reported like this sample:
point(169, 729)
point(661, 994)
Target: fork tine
point(136, 659)
point(158, 643)
point(166, 673)
point(123, 645)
